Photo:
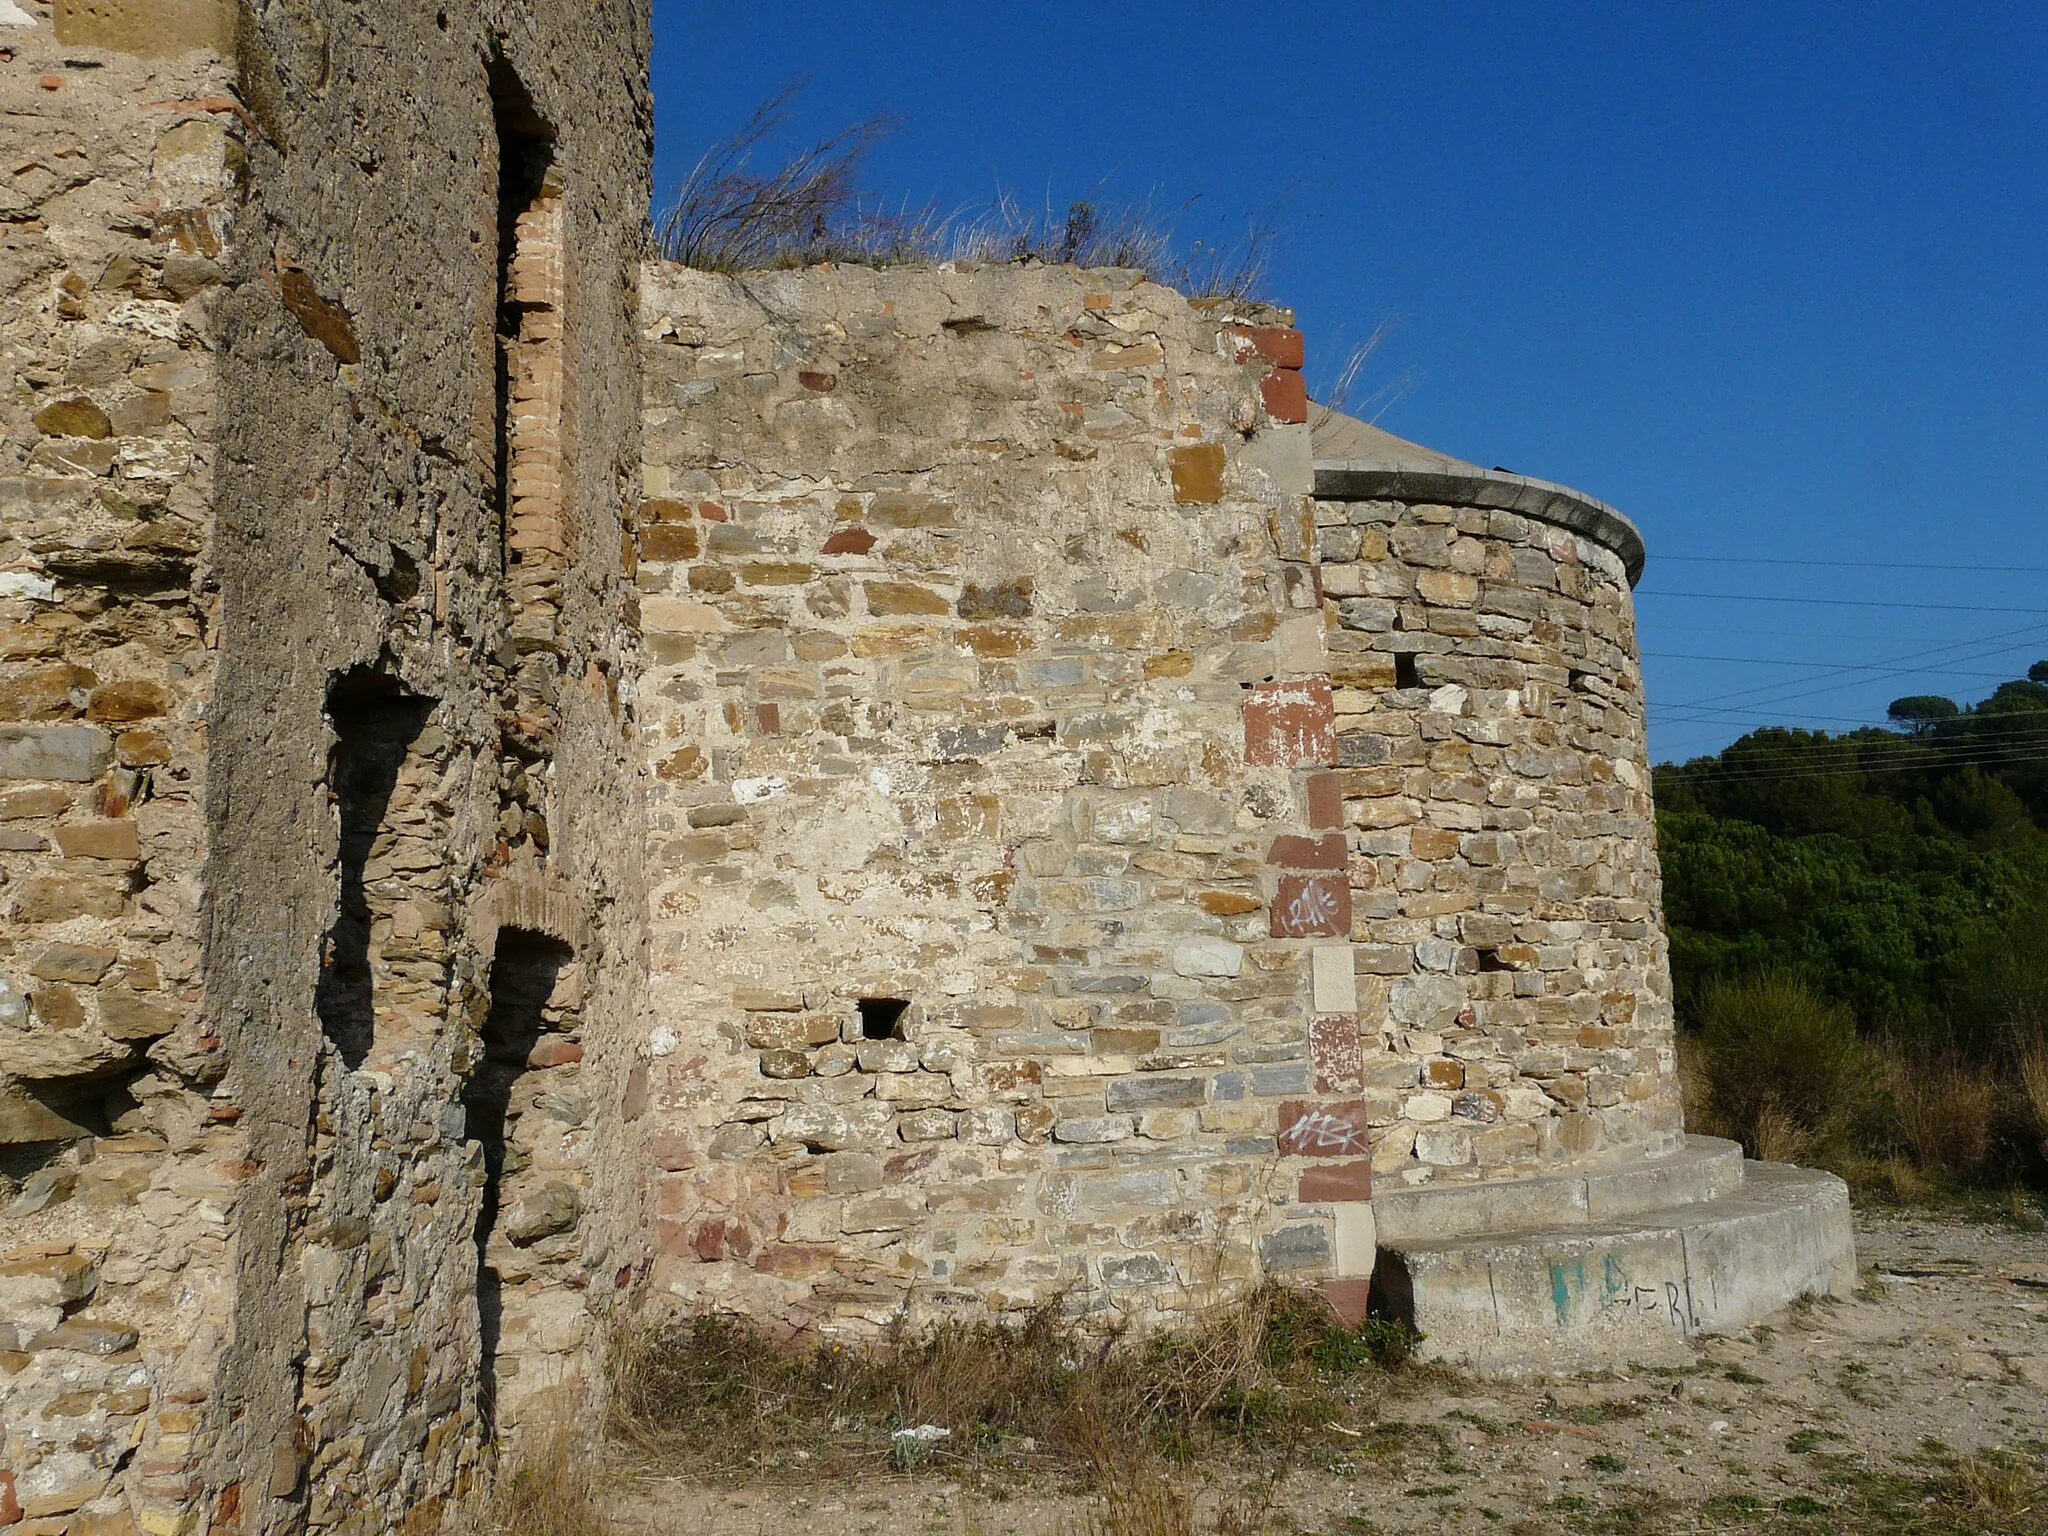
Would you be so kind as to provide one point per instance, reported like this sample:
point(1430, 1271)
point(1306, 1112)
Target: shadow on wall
point(524, 973)
point(375, 722)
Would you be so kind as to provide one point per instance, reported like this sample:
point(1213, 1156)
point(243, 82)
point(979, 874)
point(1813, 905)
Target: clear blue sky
point(1771, 278)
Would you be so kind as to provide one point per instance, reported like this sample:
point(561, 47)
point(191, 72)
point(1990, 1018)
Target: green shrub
point(1784, 1063)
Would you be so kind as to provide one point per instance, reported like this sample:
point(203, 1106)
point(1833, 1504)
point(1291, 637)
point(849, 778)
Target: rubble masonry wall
point(317, 832)
point(1506, 901)
point(121, 1155)
point(959, 588)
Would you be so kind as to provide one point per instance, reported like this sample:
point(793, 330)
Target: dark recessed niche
point(1406, 673)
point(881, 1018)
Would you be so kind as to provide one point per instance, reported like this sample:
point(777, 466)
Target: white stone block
point(1357, 1238)
point(1335, 981)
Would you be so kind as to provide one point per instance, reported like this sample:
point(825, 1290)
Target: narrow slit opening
point(1407, 674)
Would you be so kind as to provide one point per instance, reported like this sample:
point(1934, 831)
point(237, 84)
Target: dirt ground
point(1920, 1406)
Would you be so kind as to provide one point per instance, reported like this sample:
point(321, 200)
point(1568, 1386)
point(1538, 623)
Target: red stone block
point(818, 383)
point(554, 1052)
point(1325, 1183)
point(1291, 725)
point(1325, 792)
point(1334, 1053)
point(1320, 1128)
point(1325, 852)
point(1312, 907)
point(1349, 1298)
point(850, 541)
point(10, 1506)
point(796, 1261)
point(1280, 345)
point(1284, 393)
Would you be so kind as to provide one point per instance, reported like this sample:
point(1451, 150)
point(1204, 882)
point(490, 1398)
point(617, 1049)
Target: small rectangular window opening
point(1406, 673)
point(881, 1018)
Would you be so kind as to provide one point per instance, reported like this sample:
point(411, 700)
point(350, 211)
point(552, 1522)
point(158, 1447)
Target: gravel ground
point(1920, 1406)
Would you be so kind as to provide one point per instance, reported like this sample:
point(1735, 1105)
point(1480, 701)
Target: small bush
point(2033, 1074)
point(1945, 1108)
point(1784, 1064)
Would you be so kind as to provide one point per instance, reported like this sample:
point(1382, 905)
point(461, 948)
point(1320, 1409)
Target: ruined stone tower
point(536, 783)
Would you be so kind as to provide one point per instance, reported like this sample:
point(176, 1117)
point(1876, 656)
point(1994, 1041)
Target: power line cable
point(1920, 750)
point(2012, 755)
point(2016, 734)
point(1855, 565)
point(1804, 634)
point(1785, 775)
point(1776, 661)
point(1906, 666)
point(1835, 602)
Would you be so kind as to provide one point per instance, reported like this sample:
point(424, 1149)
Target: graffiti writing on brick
point(1323, 1130)
point(1312, 906)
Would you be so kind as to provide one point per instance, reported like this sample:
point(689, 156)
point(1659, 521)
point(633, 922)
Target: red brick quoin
point(1334, 1052)
point(1291, 724)
point(1324, 852)
point(1282, 391)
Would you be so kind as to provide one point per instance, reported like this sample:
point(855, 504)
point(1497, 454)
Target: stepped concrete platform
point(1609, 1264)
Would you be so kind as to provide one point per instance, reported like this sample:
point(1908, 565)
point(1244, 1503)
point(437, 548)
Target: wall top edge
point(1491, 490)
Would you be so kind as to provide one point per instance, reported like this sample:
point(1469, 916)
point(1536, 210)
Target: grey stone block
point(76, 754)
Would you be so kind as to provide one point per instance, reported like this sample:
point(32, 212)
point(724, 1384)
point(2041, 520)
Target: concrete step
point(1702, 1169)
point(1586, 1294)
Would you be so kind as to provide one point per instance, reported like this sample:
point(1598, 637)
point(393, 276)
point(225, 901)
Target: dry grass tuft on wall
point(728, 216)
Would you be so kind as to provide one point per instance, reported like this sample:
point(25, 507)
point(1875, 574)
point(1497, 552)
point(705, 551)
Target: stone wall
point(955, 823)
point(983, 705)
point(425, 907)
point(1501, 842)
point(121, 1158)
point(318, 836)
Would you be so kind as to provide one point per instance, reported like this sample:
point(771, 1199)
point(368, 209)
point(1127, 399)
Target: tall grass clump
point(739, 211)
point(549, 1486)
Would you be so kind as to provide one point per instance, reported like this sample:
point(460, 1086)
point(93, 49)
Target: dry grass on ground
point(1920, 1408)
point(722, 1398)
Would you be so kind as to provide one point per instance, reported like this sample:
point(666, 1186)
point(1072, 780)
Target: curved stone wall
point(1506, 896)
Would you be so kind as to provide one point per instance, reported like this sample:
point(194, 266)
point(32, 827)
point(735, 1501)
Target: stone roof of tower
point(1357, 461)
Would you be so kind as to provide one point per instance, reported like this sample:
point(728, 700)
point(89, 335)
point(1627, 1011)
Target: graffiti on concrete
point(1618, 1291)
